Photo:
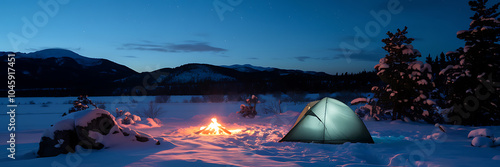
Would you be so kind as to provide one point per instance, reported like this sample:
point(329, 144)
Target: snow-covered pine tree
point(428, 60)
point(408, 81)
point(452, 72)
point(424, 105)
point(376, 106)
point(475, 79)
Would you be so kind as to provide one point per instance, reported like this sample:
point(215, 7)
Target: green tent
point(328, 121)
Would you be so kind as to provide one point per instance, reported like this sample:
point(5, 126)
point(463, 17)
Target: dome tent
point(328, 121)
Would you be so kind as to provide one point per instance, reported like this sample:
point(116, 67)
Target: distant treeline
point(355, 82)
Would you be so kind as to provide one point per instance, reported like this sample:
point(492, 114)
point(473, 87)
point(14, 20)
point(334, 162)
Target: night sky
point(305, 35)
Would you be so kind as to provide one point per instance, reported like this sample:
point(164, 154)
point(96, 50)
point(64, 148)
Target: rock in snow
point(91, 126)
point(497, 142)
point(480, 132)
point(51, 146)
point(481, 141)
point(91, 129)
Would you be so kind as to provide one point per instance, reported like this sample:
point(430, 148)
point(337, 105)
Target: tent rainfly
point(328, 121)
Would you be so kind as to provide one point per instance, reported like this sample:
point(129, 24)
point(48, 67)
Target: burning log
point(213, 129)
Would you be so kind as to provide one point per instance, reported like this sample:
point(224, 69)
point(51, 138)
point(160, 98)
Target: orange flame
point(213, 129)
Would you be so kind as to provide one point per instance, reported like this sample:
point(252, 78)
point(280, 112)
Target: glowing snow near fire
point(213, 129)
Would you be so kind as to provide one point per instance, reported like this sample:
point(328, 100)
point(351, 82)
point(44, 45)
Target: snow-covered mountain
point(251, 68)
point(194, 73)
point(206, 73)
point(248, 68)
point(66, 70)
point(60, 54)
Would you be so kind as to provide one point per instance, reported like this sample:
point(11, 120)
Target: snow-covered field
point(254, 142)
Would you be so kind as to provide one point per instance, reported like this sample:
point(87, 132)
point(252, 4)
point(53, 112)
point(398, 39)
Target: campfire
point(213, 129)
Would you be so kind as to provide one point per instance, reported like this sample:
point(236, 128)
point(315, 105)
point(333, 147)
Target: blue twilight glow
point(305, 35)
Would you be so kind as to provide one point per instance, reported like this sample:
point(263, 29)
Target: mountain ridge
point(60, 53)
point(75, 74)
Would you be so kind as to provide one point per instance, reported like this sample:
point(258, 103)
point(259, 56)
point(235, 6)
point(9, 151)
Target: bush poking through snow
point(273, 107)
point(152, 111)
point(251, 110)
point(441, 127)
point(82, 103)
